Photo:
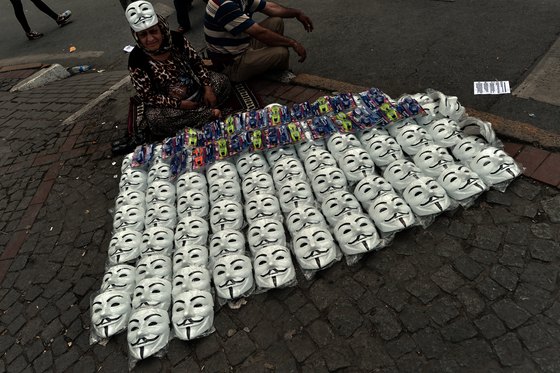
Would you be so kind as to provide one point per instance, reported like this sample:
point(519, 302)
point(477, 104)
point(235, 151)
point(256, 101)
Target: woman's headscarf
point(166, 43)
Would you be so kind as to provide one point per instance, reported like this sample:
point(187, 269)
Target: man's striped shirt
point(224, 23)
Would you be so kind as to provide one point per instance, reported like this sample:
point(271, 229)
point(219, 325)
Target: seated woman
point(169, 76)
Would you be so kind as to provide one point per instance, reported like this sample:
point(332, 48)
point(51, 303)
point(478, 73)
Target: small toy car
point(256, 139)
point(344, 122)
point(193, 137)
point(294, 132)
point(275, 115)
point(284, 135)
point(285, 116)
point(389, 111)
point(236, 144)
point(272, 137)
point(210, 152)
point(324, 106)
point(208, 133)
point(230, 125)
point(198, 156)
point(222, 147)
point(253, 120)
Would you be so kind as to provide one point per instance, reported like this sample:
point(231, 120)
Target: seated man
point(240, 47)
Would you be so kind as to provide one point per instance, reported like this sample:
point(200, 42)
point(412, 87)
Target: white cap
point(141, 15)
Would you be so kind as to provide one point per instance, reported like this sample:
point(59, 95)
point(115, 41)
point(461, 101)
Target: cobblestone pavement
point(476, 291)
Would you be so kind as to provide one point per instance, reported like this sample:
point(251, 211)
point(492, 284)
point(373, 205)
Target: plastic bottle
point(79, 69)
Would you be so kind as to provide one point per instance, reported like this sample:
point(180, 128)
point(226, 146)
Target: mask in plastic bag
point(445, 132)
point(265, 232)
point(124, 246)
point(318, 158)
point(450, 107)
point(356, 164)
point(153, 266)
point(432, 160)
point(126, 162)
point(432, 114)
point(161, 215)
point(338, 143)
point(401, 173)
point(161, 192)
point(193, 202)
point(233, 276)
point(228, 241)
point(130, 197)
point(413, 138)
point(148, 332)
point(303, 217)
point(159, 172)
point(250, 162)
point(395, 128)
point(190, 255)
point(494, 166)
point(133, 179)
point(327, 181)
point(275, 154)
point(262, 206)
point(152, 292)
point(356, 234)
point(303, 148)
point(461, 183)
point(370, 188)
point(257, 183)
point(226, 214)
point(314, 248)
point(225, 189)
point(222, 170)
point(193, 314)
point(468, 148)
point(368, 135)
point(120, 277)
point(390, 213)
point(295, 193)
point(157, 240)
point(286, 169)
point(191, 230)
point(384, 150)
point(190, 181)
point(339, 204)
point(109, 312)
point(273, 267)
point(191, 278)
point(426, 197)
point(129, 217)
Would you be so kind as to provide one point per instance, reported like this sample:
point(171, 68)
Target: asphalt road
point(400, 46)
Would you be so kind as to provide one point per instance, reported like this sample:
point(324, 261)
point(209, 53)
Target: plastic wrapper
point(190, 255)
point(304, 217)
point(286, 169)
point(251, 162)
point(316, 159)
point(338, 143)
point(124, 247)
point(327, 181)
point(265, 232)
point(315, 249)
point(193, 202)
point(191, 230)
point(256, 183)
point(273, 268)
point(157, 241)
point(110, 311)
point(225, 189)
point(129, 217)
point(427, 199)
point(445, 132)
point(222, 170)
point(131, 197)
point(339, 204)
point(152, 292)
point(161, 215)
point(371, 187)
point(191, 181)
point(161, 192)
point(191, 278)
point(121, 277)
point(462, 184)
point(192, 315)
point(262, 206)
point(391, 214)
point(133, 179)
point(475, 127)
point(153, 266)
point(226, 242)
point(226, 214)
point(275, 154)
point(295, 193)
point(432, 160)
point(383, 149)
point(401, 172)
point(148, 334)
point(412, 138)
point(159, 172)
point(496, 168)
point(468, 148)
point(356, 164)
point(305, 147)
point(233, 277)
point(126, 162)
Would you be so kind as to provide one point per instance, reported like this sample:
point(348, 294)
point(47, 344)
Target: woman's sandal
point(32, 35)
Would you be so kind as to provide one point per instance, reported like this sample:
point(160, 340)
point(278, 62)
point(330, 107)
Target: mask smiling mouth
point(107, 321)
point(359, 238)
point(144, 341)
point(273, 272)
point(315, 253)
point(232, 282)
point(224, 220)
point(190, 322)
point(396, 215)
point(433, 200)
point(504, 167)
point(470, 182)
point(343, 211)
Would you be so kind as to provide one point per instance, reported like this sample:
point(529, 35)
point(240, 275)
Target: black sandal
point(32, 35)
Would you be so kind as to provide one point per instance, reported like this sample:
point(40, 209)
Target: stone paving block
point(544, 250)
point(413, 318)
point(321, 333)
point(483, 256)
point(17, 365)
point(238, 348)
point(443, 310)
point(467, 267)
point(385, 323)
point(459, 229)
point(447, 279)
point(517, 234)
point(459, 330)
point(490, 326)
point(323, 294)
point(509, 349)
point(295, 301)
point(400, 346)
point(411, 362)
point(206, 347)
point(532, 298)
point(490, 289)
point(504, 277)
point(16, 324)
point(307, 313)
point(471, 300)
point(471, 354)
point(301, 346)
point(543, 275)
point(535, 337)
point(513, 256)
point(487, 237)
point(423, 289)
point(344, 318)
point(542, 230)
point(510, 313)
point(430, 342)
point(189, 365)
point(548, 360)
point(551, 207)
point(370, 354)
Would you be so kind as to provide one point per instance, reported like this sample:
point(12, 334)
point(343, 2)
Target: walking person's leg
point(60, 19)
point(182, 9)
point(20, 15)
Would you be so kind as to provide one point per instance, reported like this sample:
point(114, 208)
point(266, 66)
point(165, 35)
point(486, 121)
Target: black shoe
point(63, 18)
point(32, 35)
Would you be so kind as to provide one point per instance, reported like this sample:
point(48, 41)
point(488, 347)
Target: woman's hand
point(209, 97)
point(216, 113)
point(188, 105)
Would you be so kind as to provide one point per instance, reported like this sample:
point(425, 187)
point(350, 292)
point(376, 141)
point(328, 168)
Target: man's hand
point(188, 105)
point(300, 50)
point(209, 97)
point(216, 113)
point(305, 21)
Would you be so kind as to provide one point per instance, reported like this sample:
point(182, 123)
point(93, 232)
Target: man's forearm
point(272, 38)
point(275, 10)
